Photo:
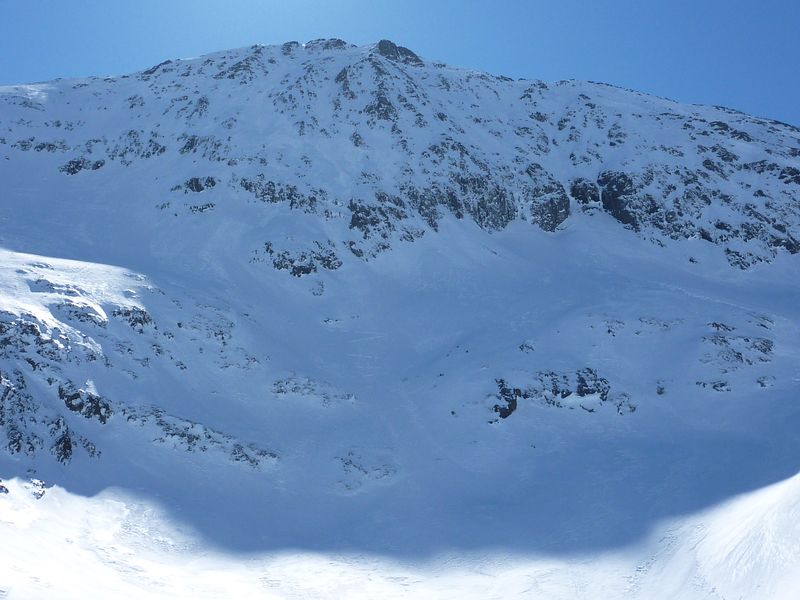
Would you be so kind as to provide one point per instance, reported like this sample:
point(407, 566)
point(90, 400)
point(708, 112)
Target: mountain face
point(347, 301)
point(382, 146)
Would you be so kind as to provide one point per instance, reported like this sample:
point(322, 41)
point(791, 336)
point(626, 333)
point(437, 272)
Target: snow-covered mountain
point(341, 321)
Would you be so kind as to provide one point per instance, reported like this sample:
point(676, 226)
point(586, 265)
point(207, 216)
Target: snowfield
point(326, 321)
point(119, 545)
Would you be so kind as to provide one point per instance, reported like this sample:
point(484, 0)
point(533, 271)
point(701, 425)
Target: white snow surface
point(745, 548)
point(245, 352)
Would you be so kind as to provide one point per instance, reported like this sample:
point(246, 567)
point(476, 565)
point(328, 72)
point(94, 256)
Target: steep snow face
point(381, 146)
point(351, 310)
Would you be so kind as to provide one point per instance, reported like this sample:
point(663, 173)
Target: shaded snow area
point(340, 322)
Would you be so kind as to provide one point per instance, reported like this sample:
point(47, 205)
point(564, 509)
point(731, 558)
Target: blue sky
point(737, 53)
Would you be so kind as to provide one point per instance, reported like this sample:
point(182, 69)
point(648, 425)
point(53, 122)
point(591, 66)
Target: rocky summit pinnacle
point(398, 53)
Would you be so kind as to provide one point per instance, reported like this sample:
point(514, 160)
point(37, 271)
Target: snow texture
point(333, 321)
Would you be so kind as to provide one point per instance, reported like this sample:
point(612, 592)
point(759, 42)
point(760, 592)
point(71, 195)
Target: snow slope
point(746, 548)
point(333, 321)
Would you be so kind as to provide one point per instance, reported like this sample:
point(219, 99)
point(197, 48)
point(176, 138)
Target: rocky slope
point(462, 313)
point(383, 145)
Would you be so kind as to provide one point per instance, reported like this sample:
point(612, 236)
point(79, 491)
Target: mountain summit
point(382, 146)
point(358, 308)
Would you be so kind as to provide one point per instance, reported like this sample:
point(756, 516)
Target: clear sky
point(744, 54)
